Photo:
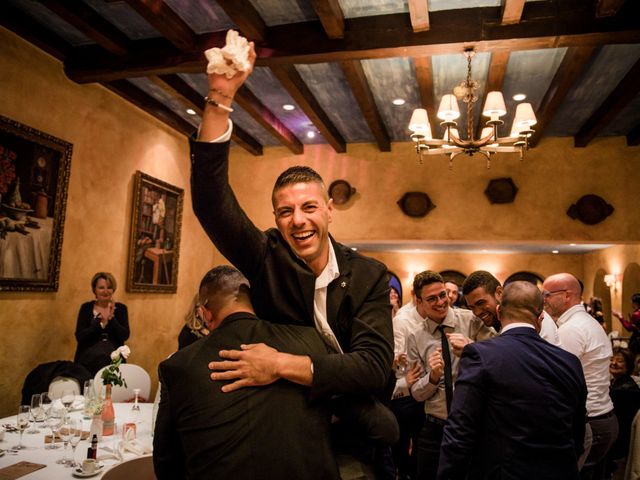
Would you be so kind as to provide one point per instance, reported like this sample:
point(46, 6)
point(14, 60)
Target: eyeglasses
point(431, 299)
point(546, 295)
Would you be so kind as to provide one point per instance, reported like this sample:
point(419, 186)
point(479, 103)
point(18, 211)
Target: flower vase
point(108, 414)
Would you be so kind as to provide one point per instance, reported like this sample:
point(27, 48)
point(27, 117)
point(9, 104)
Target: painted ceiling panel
point(436, 5)
point(128, 21)
point(389, 79)
point(51, 22)
point(203, 16)
point(529, 72)
point(239, 116)
point(366, 8)
point(593, 88)
point(278, 12)
point(627, 119)
point(329, 85)
point(144, 84)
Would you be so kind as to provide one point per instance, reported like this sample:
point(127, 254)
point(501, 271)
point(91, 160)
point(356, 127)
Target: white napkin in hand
point(232, 58)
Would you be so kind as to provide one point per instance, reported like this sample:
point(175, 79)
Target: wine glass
point(35, 412)
point(135, 409)
point(65, 434)
point(53, 422)
point(67, 398)
point(74, 439)
point(89, 399)
point(22, 422)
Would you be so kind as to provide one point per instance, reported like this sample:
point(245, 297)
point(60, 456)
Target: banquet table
point(36, 453)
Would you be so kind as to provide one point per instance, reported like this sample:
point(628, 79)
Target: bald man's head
point(521, 302)
point(561, 292)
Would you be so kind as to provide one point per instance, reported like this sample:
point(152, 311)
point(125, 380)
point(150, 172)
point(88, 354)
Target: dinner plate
point(79, 473)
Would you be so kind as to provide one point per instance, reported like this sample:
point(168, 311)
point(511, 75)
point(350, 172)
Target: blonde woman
point(194, 327)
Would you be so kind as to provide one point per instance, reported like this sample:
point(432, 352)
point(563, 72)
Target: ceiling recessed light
point(398, 101)
point(191, 111)
point(555, 251)
point(288, 107)
point(572, 244)
point(311, 134)
point(518, 97)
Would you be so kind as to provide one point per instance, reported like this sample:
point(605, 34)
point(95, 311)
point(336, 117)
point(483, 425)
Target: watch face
point(41, 162)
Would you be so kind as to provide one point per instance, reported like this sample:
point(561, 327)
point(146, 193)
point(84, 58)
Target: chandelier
point(489, 142)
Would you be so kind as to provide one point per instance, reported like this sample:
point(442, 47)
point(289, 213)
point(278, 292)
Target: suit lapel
point(338, 288)
point(307, 282)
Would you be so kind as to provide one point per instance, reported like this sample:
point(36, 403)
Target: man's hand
point(436, 365)
point(254, 365)
point(457, 341)
point(414, 373)
point(229, 86)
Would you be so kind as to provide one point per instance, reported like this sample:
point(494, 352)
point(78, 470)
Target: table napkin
point(47, 438)
point(231, 58)
point(19, 469)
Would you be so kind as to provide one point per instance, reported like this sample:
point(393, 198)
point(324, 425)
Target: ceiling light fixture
point(191, 111)
point(311, 134)
point(288, 107)
point(518, 97)
point(399, 101)
point(489, 143)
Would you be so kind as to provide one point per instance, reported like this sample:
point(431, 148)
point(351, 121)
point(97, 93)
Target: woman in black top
point(103, 325)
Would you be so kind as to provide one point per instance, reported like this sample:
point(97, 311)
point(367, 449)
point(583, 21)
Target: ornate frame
point(154, 244)
point(37, 166)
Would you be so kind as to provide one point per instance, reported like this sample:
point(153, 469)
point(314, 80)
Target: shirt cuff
point(225, 137)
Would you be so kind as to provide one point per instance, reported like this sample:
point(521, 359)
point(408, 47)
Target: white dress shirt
point(549, 330)
point(406, 321)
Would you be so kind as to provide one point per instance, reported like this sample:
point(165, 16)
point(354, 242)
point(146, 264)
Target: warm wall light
point(613, 280)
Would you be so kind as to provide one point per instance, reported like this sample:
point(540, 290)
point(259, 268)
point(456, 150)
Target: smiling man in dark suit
point(519, 408)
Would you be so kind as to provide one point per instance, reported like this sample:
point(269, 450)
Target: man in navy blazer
point(519, 408)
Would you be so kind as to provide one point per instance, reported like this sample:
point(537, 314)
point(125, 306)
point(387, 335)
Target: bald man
point(583, 336)
point(519, 405)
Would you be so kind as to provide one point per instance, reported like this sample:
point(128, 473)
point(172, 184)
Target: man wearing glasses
point(429, 345)
point(583, 336)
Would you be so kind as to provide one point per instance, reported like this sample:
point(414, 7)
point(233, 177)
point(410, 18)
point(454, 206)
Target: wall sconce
point(613, 280)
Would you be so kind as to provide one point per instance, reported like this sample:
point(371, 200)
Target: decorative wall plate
point(416, 204)
point(501, 190)
point(590, 209)
point(341, 191)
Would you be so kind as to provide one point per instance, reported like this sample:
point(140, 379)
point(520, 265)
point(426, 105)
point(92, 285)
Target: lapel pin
point(343, 284)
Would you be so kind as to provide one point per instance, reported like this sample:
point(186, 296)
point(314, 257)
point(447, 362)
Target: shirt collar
point(449, 321)
point(516, 325)
point(330, 272)
point(566, 316)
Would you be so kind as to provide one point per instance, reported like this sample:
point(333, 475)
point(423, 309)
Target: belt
point(601, 417)
point(436, 420)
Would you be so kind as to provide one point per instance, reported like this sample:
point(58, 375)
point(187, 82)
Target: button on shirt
point(582, 335)
point(406, 321)
point(423, 341)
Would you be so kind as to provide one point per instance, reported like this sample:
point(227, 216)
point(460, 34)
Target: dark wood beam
point(32, 31)
point(633, 137)
point(608, 8)
point(495, 79)
point(247, 18)
point(142, 100)
point(330, 14)
point(362, 92)
point(574, 63)
point(293, 83)
point(511, 11)
point(265, 117)
point(178, 88)
point(167, 22)
point(619, 98)
point(419, 15)
point(89, 22)
point(389, 36)
point(424, 74)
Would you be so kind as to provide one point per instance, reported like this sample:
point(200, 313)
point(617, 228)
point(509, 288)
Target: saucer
point(79, 473)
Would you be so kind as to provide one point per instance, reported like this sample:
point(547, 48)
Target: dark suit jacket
point(518, 411)
point(270, 432)
point(282, 286)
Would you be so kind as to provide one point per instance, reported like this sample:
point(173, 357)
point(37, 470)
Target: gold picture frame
point(34, 180)
point(154, 245)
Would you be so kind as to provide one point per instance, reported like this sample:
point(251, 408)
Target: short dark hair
point(297, 174)
point(522, 300)
point(480, 278)
point(635, 298)
point(110, 279)
point(222, 281)
point(628, 357)
point(425, 278)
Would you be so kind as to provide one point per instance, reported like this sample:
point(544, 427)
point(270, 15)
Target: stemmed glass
point(36, 412)
point(89, 399)
point(22, 423)
point(74, 439)
point(53, 422)
point(135, 409)
point(67, 399)
point(65, 434)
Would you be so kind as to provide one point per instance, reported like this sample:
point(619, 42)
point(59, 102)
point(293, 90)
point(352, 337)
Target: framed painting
point(34, 179)
point(154, 245)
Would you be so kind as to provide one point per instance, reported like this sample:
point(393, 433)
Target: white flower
point(123, 351)
point(232, 58)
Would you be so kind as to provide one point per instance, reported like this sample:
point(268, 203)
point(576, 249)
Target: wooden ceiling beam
point(93, 25)
point(495, 79)
point(190, 98)
point(293, 83)
point(424, 75)
point(511, 11)
point(167, 22)
point(265, 117)
point(633, 137)
point(386, 36)
point(247, 18)
point(618, 99)
point(330, 14)
point(608, 8)
point(419, 14)
point(362, 92)
point(574, 63)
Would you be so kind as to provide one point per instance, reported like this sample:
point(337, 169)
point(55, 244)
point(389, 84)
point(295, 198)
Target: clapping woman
point(103, 325)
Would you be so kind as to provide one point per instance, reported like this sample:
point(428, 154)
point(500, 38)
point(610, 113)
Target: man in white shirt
point(483, 294)
point(583, 336)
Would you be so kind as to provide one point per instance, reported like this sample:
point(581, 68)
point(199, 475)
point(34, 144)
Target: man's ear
point(499, 311)
point(330, 209)
point(498, 293)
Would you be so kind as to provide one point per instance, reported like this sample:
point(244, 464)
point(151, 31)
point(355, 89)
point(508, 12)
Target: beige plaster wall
point(111, 140)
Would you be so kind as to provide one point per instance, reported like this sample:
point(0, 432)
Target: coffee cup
point(89, 465)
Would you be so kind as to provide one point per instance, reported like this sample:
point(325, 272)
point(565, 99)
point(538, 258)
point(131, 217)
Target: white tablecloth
point(36, 453)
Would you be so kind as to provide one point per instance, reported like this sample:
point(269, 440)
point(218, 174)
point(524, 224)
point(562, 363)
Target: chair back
point(135, 376)
point(60, 384)
point(140, 468)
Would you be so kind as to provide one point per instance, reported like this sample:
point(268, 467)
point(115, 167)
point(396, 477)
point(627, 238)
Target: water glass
point(53, 421)
point(65, 434)
point(35, 412)
point(22, 422)
point(74, 439)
